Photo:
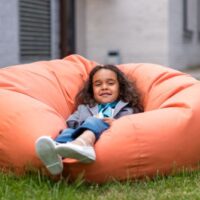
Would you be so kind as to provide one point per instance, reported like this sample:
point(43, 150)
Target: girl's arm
point(73, 120)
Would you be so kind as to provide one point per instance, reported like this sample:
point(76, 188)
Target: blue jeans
point(97, 126)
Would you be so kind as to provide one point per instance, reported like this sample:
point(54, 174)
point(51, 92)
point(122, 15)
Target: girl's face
point(105, 86)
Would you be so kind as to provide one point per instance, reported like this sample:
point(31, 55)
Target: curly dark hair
point(127, 89)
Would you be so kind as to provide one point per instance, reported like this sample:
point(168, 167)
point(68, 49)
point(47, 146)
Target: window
point(35, 30)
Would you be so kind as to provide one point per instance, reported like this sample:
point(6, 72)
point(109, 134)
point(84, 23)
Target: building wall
point(55, 29)
point(137, 29)
point(81, 25)
point(9, 33)
point(183, 51)
point(141, 31)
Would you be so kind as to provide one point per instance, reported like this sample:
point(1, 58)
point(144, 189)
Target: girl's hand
point(108, 120)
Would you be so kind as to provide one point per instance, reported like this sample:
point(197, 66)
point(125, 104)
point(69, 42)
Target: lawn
point(184, 186)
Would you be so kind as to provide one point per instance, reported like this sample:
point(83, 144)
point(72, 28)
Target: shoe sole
point(72, 151)
point(45, 150)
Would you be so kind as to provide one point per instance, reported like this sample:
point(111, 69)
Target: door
point(67, 27)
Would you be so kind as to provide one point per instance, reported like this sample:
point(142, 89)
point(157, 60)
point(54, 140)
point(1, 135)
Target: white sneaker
point(84, 154)
point(45, 149)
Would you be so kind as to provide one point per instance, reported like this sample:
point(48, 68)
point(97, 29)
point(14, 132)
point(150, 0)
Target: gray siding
point(9, 34)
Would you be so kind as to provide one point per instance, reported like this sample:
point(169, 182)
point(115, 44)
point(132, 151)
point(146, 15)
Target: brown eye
point(97, 84)
point(111, 83)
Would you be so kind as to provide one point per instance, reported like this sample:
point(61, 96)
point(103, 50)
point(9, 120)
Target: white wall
point(183, 52)
point(9, 33)
point(138, 29)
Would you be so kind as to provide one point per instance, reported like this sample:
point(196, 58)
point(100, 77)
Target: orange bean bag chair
point(36, 98)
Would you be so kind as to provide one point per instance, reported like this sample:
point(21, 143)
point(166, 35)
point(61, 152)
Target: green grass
point(184, 186)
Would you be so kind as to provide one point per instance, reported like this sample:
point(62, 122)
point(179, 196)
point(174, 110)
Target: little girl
point(106, 96)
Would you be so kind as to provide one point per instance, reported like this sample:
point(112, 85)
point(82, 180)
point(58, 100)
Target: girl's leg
point(65, 135)
point(95, 125)
point(87, 138)
point(82, 147)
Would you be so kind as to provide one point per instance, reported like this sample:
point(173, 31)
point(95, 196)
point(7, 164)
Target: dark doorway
point(67, 27)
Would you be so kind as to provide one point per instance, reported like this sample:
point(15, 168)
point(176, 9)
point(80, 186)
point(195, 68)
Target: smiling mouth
point(105, 94)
